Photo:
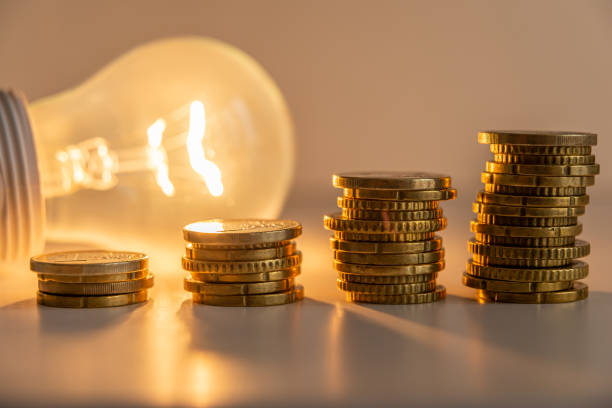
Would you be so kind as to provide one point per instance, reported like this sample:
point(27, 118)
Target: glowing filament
point(158, 158)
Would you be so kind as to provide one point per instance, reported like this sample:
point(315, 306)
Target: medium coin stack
point(87, 279)
point(242, 262)
point(384, 244)
point(525, 248)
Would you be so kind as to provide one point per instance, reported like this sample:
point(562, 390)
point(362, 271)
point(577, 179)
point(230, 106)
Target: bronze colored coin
point(391, 215)
point(526, 263)
point(428, 297)
point(387, 247)
point(398, 289)
point(574, 271)
point(267, 265)
point(245, 247)
point(335, 222)
point(386, 279)
point(516, 211)
point(543, 169)
point(95, 289)
point(531, 201)
point(117, 277)
point(406, 237)
point(386, 205)
point(540, 150)
point(579, 291)
point(124, 299)
point(389, 259)
point(536, 181)
point(241, 231)
point(400, 195)
point(268, 299)
point(535, 191)
point(202, 254)
point(537, 138)
point(514, 287)
point(526, 221)
point(578, 250)
point(525, 241)
point(545, 159)
point(392, 180)
point(227, 289)
point(92, 262)
point(536, 232)
point(389, 270)
point(213, 277)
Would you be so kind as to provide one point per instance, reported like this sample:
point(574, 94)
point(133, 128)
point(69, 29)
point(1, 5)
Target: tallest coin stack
point(525, 248)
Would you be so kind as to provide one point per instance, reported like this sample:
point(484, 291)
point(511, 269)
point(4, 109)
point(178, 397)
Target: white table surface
point(322, 351)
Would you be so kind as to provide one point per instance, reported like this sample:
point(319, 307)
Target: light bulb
point(171, 132)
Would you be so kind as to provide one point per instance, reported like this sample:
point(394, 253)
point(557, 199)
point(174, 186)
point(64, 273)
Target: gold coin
point(386, 205)
point(535, 191)
point(525, 241)
point(514, 287)
point(389, 259)
point(92, 262)
point(266, 265)
point(241, 231)
point(579, 160)
point(226, 289)
point(574, 271)
point(531, 201)
point(403, 237)
point(398, 289)
point(428, 297)
point(536, 181)
point(47, 299)
point(578, 250)
point(391, 215)
point(268, 299)
point(540, 150)
point(392, 180)
point(526, 221)
point(386, 279)
point(387, 247)
point(202, 254)
point(538, 138)
point(212, 277)
point(537, 232)
point(389, 270)
point(335, 222)
point(245, 247)
point(516, 211)
point(117, 277)
point(543, 169)
point(579, 291)
point(524, 262)
point(400, 195)
point(95, 289)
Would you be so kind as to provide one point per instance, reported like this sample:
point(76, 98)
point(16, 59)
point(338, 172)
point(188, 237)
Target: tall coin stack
point(242, 262)
point(384, 244)
point(525, 248)
point(85, 279)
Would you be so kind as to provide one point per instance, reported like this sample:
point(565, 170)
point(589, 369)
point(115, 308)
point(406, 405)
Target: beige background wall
point(371, 84)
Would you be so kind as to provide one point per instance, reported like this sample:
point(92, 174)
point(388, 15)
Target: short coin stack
point(87, 279)
point(242, 262)
point(525, 248)
point(385, 247)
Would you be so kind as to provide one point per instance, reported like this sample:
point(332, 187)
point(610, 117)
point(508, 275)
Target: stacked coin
point(84, 279)
point(384, 244)
point(242, 262)
point(525, 248)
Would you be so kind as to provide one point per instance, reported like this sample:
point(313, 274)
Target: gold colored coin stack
point(525, 248)
point(242, 262)
point(87, 279)
point(385, 247)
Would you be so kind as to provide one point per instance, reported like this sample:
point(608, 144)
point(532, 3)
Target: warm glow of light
point(207, 169)
point(210, 227)
point(158, 158)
